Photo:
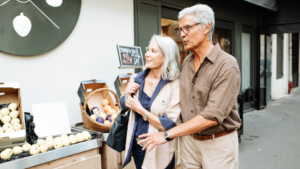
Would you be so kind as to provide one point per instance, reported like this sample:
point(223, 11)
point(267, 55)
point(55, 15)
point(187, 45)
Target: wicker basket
point(90, 124)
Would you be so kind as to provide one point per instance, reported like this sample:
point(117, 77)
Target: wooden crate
point(69, 160)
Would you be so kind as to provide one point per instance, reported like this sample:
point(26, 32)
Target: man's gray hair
point(203, 15)
point(171, 66)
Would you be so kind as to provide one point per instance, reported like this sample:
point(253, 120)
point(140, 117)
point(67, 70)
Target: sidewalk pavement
point(271, 138)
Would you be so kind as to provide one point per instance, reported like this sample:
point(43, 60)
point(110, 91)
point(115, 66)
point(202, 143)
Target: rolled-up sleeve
point(223, 95)
point(172, 112)
point(122, 102)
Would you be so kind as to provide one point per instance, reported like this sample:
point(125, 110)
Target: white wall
point(89, 53)
point(279, 86)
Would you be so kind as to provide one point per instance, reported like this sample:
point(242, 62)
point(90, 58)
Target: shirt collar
point(140, 78)
point(212, 55)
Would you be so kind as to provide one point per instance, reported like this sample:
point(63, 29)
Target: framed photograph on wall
point(130, 57)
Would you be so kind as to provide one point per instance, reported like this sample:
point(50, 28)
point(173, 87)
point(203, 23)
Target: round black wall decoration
point(34, 27)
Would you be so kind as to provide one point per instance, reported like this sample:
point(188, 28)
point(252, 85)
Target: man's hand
point(152, 139)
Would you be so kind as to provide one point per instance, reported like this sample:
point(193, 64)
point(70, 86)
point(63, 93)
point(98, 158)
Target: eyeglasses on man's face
point(185, 29)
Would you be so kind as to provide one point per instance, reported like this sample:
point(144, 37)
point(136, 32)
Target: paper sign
point(51, 119)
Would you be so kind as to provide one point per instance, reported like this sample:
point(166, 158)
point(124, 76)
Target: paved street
point(271, 137)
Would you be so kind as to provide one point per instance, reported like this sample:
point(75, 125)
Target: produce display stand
point(110, 159)
point(77, 156)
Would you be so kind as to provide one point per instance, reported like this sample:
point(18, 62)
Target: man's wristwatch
point(166, 136)
point(145, 117)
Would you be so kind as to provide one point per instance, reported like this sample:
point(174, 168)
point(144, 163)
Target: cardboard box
point(87, 87)
point(121, 84)
point(10, 93)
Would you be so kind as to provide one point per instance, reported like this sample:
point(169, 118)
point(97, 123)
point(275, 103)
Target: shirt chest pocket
point(159, 105)
point(201, 93)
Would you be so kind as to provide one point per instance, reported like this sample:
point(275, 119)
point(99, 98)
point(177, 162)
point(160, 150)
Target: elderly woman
point(155, 105)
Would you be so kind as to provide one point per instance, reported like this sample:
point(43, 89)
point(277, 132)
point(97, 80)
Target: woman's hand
point(132, 87)
point(134, 104)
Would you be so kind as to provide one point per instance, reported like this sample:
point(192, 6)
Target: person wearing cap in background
point(209, 86)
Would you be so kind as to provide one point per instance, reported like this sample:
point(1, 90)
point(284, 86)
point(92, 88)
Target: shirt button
point(193, 97)
point(191, 111)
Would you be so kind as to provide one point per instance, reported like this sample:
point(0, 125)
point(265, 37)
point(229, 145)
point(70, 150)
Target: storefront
point(236, 30)
point(281, 32)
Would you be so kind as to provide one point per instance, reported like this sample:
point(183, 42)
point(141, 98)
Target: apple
point(66, 142)
point(34, 149)
point(107, 122)
point(15, 121)
point(17, 150)
point(7, 126)
point(100, 120)
point(26, 147)
point(40, 142)
point(86, 135)
point(107, 108)
point(57, 139)
point(14, 114)
point(103, 116)
point(111, 112)
point(5, 155)
point(64, 136)
point(12, 106)
point(79, 137)
point(17, 127)
point(10, 151)
point(58, 144)
point(105, 102)
point(6, 119)
point(93, 117)
point(4, 111)
point(10, 130)
point(49, 138)
point(50, 143)
point(72, 139)
point(113, 117)
point(43, 148)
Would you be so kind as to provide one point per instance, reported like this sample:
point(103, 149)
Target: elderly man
point(209, 86)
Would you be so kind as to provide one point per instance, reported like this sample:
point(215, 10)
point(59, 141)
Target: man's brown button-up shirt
point(211, 91)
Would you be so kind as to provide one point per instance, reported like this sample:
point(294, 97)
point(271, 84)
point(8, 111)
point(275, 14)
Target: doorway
point(268, 67)
point(247, 62)
point(295, 59)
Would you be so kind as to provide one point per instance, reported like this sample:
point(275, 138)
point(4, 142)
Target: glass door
point(247, 62)
point(262, 71)
point(223, 37)
point(168, 27)
point(295, 58)
point(268, 67)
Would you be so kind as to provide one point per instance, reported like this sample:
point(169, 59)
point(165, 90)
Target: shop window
point(262, 61)
point(223, 37)
point(168, 27)
point(279, 59)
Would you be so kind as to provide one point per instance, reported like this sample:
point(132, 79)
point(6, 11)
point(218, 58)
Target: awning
point(269, 4)
point(285, 20)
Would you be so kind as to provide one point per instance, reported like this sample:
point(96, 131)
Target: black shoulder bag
point(117, 135)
